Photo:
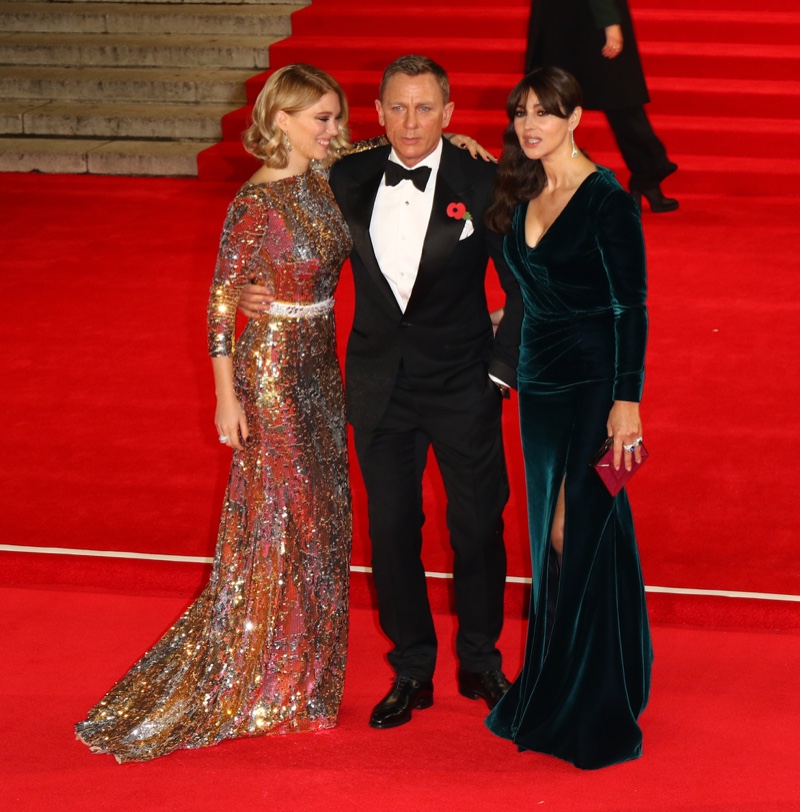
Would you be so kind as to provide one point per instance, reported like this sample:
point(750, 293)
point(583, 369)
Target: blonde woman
point(263, 649)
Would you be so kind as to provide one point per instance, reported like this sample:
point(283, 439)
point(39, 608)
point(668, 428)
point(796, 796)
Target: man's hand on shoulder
point(255, 300)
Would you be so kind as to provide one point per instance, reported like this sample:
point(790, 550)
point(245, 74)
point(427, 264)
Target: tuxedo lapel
point(443, 232)
point(361, 201)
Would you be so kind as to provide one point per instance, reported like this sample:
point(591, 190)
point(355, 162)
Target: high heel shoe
point(655, 197)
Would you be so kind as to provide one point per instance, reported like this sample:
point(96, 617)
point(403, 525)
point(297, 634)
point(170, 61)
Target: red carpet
point(720, 732)
point(108, 444)
point(107, 400)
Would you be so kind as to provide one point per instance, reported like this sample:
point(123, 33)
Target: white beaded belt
point(296, 311)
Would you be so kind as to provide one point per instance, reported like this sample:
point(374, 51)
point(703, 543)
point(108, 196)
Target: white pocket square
point(468, 230)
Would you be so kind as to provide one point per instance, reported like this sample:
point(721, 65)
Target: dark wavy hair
point(518, 177)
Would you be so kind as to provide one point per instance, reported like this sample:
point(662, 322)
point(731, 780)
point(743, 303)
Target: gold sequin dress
point(263, 649)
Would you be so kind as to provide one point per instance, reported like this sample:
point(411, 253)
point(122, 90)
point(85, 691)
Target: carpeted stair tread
point(504, 55)
point(766, 7)
point(487, 90)
point(704, 173)
point(715, 25)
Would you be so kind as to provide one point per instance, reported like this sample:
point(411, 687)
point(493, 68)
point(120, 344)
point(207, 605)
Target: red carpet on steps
point(724, 77)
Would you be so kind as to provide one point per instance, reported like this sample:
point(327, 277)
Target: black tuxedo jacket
point(444, 338)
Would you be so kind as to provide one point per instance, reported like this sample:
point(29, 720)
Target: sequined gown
point(263, 649)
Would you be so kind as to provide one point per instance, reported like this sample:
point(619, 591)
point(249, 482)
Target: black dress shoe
point(395, 708)
point(655, 197)
point(487, 685)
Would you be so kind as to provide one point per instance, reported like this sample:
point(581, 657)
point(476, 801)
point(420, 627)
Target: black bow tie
point(396, 172)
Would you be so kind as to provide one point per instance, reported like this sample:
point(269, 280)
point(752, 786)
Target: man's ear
point(379, 108)
point(447, 114)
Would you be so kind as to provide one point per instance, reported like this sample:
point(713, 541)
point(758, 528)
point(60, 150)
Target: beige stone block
point(11, 122)
point(52, 17)
point(214, 20)
point(135, 50)
point(169, 85)
point(44, 155)
point(98, 120)
point(295, 4)
point(149, 18)
point(146, 158)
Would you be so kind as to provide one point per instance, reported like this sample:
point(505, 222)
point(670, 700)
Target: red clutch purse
point(603, 463)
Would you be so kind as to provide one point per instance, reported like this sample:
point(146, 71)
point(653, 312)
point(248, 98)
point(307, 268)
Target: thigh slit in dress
point(586, 675)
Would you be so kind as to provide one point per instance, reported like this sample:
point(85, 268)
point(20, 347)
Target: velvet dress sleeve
point(505, 356)
point(604, 12)
point(621, 241)
point(240, 260)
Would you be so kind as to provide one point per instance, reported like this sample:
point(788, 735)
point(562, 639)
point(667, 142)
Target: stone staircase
point(126, 88)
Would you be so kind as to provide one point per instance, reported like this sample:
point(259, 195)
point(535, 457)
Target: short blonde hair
point(291, 89)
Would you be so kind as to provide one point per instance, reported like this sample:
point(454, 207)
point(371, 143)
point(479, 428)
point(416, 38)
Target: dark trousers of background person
point(464, 429)
point(643, 152)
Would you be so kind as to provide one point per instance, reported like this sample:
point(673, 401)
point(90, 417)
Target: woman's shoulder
point(607, 191)
point(251, 195)
point(605, 178)
point(250, 206)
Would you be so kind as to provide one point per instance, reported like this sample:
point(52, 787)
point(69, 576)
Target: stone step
point(153, 18)
point(295, 4)
point(120, 50)
point(101, 157)
point(169, 85)
point(113, 120)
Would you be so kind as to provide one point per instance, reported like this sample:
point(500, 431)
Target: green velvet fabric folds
point(586, 675)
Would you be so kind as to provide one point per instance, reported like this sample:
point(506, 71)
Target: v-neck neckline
point(556, 218)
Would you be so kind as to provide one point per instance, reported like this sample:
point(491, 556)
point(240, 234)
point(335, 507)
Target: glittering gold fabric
point(263, 649)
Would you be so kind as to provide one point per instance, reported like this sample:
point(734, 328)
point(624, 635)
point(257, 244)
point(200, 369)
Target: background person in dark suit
point(594, 40)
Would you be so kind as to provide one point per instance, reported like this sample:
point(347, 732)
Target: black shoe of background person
point(487, 685)
point(395, 708)
point(659, 204)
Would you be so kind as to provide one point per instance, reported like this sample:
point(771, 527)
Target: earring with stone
point(287, 144)
point(574, 148)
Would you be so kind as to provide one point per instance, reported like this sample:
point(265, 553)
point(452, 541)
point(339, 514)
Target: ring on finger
point(223, 438)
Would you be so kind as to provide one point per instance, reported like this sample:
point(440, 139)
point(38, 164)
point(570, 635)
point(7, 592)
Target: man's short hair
point(413, 65)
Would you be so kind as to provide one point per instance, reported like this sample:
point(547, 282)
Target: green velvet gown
point(586, 675)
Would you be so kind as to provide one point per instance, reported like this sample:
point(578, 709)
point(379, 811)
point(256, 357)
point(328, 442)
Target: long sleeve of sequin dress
point(263, 649)
point(586, 675)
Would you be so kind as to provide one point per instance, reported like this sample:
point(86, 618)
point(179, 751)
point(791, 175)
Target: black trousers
point(468, 446)
point(643, 152)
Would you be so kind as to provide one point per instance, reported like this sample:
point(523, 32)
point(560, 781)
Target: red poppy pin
point(458, 211)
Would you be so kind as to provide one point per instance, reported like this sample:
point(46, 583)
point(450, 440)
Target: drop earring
point(574, 148)
point(287, 144)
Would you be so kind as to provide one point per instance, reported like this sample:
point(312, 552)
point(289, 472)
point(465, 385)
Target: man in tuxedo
point(424, 369)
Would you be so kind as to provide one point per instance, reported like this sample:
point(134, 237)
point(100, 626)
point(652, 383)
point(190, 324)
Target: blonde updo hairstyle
point(291, 89)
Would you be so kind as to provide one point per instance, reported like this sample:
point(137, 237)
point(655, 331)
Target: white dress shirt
point(399, 223)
